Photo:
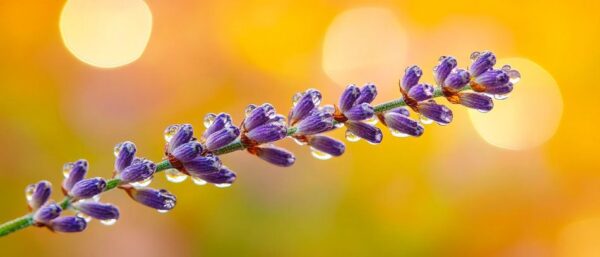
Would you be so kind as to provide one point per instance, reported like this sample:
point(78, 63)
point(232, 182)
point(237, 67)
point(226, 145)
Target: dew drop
point(506, 68)
point(501, 97)
point(29, 192)
point(169, 133)
point(372, 121)
point(320, 155)
point(351, 137)
point(249, 109)
point(425, 120)
point(397, 133)
point(328, 108)
point(109, 222)
point(67, 169)
point(162, 211)
point(515, 76)
point(474, 56)
point(338, 124)
point(96, 198)
point(84, 216)
point(223, 185)
point(198, 181)
point(209, 119)
point(175, 176)
point(296, 98)
point(143, 183)
point(299, 142)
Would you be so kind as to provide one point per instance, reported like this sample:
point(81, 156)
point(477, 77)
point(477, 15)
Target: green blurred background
point(522, 180)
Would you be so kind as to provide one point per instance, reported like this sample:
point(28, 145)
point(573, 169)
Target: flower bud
point(307, 102)
point(68, 224)
point(484, 62)
point(268, 133)
point(47, 213)
point(222, 137)
point(38, 193)
point(403, 124)
point(367, 94)
point(223, 176)
point(476, 101)
point(443, 69)
point(153, 198)
point(349, 96)
point(202, 165)
point(421, 92)
point(183, 135)
point(221, 121)
point(365, 131)
point(439, 113)
point(411, 77)
point(275, 155)
point(88, 188)
point(327, 145)
point(139, 170)
point(316, 122)
point(457, 79)
point(187, 151)
point(96, 210)
point(125, 154)
point(360, 112)
point(260, 115)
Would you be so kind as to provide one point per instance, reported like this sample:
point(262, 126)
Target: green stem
point(16, 224)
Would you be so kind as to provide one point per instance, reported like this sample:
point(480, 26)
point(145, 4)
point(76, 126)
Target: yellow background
point(448, 193)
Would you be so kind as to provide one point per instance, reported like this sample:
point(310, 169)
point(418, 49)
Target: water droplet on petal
point(209, 119)
point(296, 98)
point(372, 121)
point(474, 56)
point(328, 108)
point(320, 155)
point(397, 133)
point(515, 76)
point(298, 141)
point(223, 185)
point(162, 211)
point(143, 183)
point(425, 120)
point(109, 222)
point(198, 181)
point(351, 137)
point(500, 97)
point(338, 124)
point(67, 169)
point(168, 134)
point(249, 109)
point(175, 176)
point(506, 68)
point(84, 216)
point(96, 198)
point(29, 192)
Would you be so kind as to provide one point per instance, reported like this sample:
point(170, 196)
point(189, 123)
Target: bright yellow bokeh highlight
point(530, 115)
point(107, 33)
point(365, 44)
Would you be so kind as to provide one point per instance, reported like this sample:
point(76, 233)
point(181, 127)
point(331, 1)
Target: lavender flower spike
point(96, 210)
point(275, 155)
point(88, 188)
point(68, 224)
point(153, 198)
point(37, 194)
point(47, 213)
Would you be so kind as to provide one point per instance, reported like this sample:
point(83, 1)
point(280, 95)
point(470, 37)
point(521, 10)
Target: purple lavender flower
point(359, 112)
point(74, 172)
point(304, 103)
point(327, 145)
point(68, 224)
point(268, 132)
point(316, 122)
point(139, 170)
point(96, 210)
point(222, 137)
point(457, 79)
point(443, 69)
point(184, 134)
point(349, 96)
point(124, 153)
point(483, 62)
point(37, 194)
point(259, 116)
point(88, 188)
point(367, 94)
point(215, 123)
point(398, 120)
point(187, 151)
point(153, 198)
point(436, 112)
point(47, 213)
point(275, 155)
point(365, 131)
point(412, 75)
point(222, 178)
point(421, 92)
point(476, 101)
point(356, 108)
point(202, 165)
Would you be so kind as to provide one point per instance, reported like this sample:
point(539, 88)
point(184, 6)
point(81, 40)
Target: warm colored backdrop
point(457, 191)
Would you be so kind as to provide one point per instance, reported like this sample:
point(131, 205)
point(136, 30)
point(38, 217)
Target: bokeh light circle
point(107, 33)
point(365, 43)
point(531, 114)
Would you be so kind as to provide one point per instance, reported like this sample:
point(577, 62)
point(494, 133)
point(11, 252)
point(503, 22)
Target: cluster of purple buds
point(46, 213)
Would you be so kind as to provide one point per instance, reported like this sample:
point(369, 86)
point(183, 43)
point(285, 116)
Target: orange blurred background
point(521, 180)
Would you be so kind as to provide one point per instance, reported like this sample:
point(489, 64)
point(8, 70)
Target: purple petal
point(187, 151)
point(222, 138)
point(40, 192)
point(305, 105)
point(202, 165)
point(457, 79)
point(492, 78)
point(365, 131)
point(138, 171)
point(68, 224)
point(316, 122)
point(411, 77)
point(124, 156)
point(88, 188)
point(221, 121)
point(268, 133)
point(367, 94)
point(96, 210)
point(360, 112)
point(476, 101)
point(421, 92)
point(47, 213)
point(78, 171)
point(327, 145)
point(153, 198)
point(275, 155)
point(223, 176)
point(183, 135)
point(349, 96)
point(403, 124)
point(443, 69)
point(260, 115)
point(499, 89)
point(400, 110)
point(484, 62)
point(439, 113)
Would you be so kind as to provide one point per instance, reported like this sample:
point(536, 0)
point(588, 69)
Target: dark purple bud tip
point(124, 153)
point(96, 210)
point(436, 112)
point(483, 62)
point(360, 112)
point(443, 69)
point(153, 198)
point(268, 133)
point(492, 78)
point(37, 194)
point(260, 115)
point(202, 165)
point(316, 122)
point(68, 224)
point(402, 124)
point(327, 145)
point(139, 170)
point(88, 188)
point(47, 213)
point(421, 92)
point(275, 155)
point(187, 151)
point(222, 178)
point(411, 77)
point(222, 137)
point(183, 135)
point(349, 96)
point(367, 94)
point(305, 104)
point(218, 122)
point(457, 79)
point(476, 101)
point(365, 131)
